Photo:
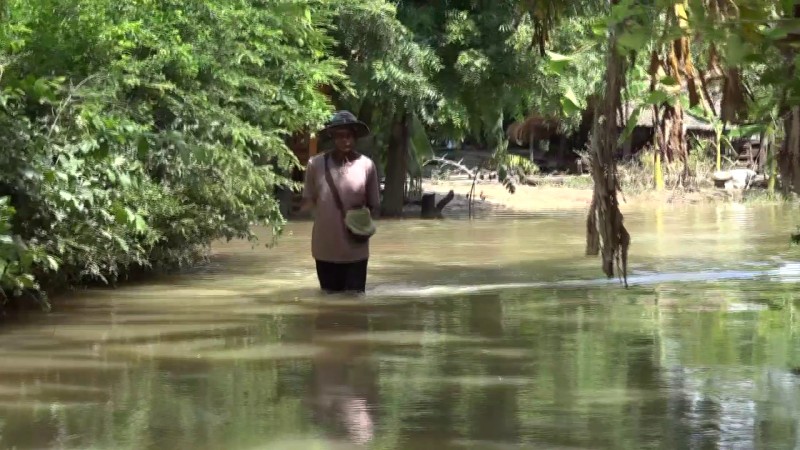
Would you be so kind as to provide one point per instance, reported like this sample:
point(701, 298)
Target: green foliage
point(17, 259)
point(570, 74)
point(420, 151)
point(512, 169)
point(485, 56)
point(389, 72)
point(135, 135)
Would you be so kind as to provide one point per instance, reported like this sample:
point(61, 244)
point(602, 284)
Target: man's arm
point(374, 192)
point(309, 199)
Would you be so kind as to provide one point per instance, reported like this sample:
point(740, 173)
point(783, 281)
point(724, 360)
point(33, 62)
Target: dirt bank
point(572, 195)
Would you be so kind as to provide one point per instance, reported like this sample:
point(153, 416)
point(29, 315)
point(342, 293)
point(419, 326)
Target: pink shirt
point(357, 183)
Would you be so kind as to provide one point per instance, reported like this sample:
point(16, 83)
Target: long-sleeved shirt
point(357, 182)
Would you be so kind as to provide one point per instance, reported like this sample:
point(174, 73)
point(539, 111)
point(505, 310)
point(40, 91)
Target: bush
point(164, 130)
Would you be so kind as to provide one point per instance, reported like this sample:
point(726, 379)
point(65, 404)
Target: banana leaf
point(420, 148)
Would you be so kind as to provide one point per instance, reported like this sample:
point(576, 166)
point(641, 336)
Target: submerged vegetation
point(136, 134)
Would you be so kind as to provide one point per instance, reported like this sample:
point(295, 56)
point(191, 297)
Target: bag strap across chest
point(334, 191)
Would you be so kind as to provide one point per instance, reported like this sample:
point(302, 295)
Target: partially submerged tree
point(605, 231)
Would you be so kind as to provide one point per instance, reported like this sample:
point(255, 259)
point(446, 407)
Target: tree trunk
point(673, 138)
point(428, 204)
point(430, 208)
point(531, 146)
point(627, 148)
point(396, 167)
point(674, 145)
point(768, 159)
point(365, 112)
point(789, 155)
point(605, 233)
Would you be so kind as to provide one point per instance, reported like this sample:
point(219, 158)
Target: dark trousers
point(342, 277)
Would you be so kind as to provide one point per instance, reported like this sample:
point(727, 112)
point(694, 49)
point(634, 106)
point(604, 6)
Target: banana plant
point(419, 151)
point(721, 140)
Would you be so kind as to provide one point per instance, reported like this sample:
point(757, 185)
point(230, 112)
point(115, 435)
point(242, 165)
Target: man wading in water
point(342, 188)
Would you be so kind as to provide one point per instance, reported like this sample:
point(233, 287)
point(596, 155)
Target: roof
point(690, 122)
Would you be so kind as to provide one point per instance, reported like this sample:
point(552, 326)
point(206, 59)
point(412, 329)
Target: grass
point(638, 175)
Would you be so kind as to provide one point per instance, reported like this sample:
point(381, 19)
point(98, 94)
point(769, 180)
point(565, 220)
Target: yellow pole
point(659, 174)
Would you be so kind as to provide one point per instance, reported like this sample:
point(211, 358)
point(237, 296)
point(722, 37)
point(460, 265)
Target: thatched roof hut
point(534, 125)
point(542, 127)
point(691, 123)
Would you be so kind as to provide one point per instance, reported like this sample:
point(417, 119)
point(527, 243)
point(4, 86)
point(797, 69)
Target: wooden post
point(312, 146)
point(531, 140)
point(431, 210)
point(428, 204)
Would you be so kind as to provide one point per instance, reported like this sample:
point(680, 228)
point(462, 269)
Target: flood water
point(492, 334)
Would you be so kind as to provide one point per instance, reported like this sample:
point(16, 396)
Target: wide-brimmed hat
point(360, 222)
point(345, 119)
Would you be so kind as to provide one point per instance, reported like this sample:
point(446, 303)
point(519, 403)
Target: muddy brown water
point(491, 334)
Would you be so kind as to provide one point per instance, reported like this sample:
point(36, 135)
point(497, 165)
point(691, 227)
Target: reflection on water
point(344, 380)
point(493, 334)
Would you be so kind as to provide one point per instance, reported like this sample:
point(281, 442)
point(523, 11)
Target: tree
point(390, 83)
point(138, 133)
point(605, 232)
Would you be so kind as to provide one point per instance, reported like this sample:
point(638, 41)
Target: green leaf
point(66, 196)
point(40, 88)
point(122, 244)
point(52, 263)
point(775, 33)
point(557, 63)
point(668, 81)
point(735, 50)
point(569, 102)
point(124, 180)
point(599, 27)
point(634, 39)
point(656, 97)
point(502, 173)
point(631, 124)
point(142, 147)
point(746, 131)
point(27, 281)
point(120, 214)
point(787, 7)
point(421, 148)
point(140, 224)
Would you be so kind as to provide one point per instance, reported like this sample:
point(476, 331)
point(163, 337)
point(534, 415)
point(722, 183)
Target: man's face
point(344, 139)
